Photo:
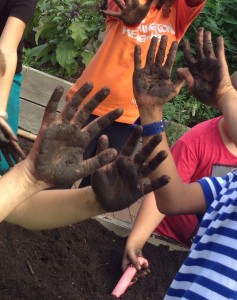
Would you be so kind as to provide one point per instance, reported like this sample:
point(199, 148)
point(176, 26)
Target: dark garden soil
point(81, 261)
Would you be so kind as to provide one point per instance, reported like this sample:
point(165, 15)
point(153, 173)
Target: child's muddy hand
point(131, 12)
point(126, 179)
point(152, 84)
point(58, 151)
point(206, 76)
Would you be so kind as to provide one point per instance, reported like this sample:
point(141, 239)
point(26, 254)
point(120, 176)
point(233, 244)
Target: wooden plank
point(38, 86)
point(30, 116)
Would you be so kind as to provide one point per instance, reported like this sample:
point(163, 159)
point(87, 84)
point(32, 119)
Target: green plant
point(66, 31)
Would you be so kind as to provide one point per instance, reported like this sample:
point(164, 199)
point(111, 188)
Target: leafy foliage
point(66, 30)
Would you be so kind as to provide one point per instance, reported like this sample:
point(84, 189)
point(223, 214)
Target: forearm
point(56, 208)
point(173, 197)
point(16, 186)
point(227, 104)
point(7, 79)
point(147, 219)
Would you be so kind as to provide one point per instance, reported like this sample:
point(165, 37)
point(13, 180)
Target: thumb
point(148, 3)
point(103, 144)
point(184, 74)
point(178, 86)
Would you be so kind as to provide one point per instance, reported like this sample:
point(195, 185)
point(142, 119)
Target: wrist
point(3, 115)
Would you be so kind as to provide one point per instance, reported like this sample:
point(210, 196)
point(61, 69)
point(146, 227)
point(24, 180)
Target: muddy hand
point(152, 84)
point(206, 74)
point(125, 180)
point(58, 153)
point(9, 146)
point(132, 11)
point(131, 255)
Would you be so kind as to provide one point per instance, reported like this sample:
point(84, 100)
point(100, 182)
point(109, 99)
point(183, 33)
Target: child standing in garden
point(14, 16)
point(204, 150)
point(209, 272)
point(126, 25)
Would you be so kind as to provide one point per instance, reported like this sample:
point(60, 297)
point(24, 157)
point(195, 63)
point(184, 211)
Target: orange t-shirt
point(113, 65)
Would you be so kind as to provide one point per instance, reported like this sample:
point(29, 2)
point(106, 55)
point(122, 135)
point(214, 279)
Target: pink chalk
point(125, 280)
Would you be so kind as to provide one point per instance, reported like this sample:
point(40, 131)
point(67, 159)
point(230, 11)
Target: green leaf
point(86, 57)
point(78, 33)
point(66, 53)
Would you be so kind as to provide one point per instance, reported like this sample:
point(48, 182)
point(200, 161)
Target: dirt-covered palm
point(152, 84)
point(206, 75)
point(132, 11)
point(57, 154)
point(9, 146)
point(126, 179)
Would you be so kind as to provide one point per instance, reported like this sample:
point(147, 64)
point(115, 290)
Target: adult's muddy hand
point(9, 146)
point(152, 84)
point(58, 151)
point(204, 72)
point(126, 179)
point(131, 12)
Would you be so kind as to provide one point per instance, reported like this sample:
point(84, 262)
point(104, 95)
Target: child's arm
point(152, 89)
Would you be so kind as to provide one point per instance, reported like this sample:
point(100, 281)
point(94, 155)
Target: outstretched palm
point(152, 84)
point(126, 179)
point(132, 11)
point(205, 72)
point(58, 151)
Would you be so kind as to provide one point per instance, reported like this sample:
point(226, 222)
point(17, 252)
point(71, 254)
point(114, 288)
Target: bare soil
point(82, 261)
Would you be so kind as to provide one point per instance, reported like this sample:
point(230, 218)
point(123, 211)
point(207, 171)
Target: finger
point(199, 43)
point(221, 49)
point(150, 58)
point(99, 124)
point(7, 157)
point(91, 165)
point(160, 56)
point(132, 142)
point(84, 112)
point(15, 148)
point(147, 149)
point(189, 58)
point(112, 14)
point(103, 144)
point(153, 163)
point(119, 3)
point(208, 47)
point(51, 108)
point(148, 4)
point(71, 106)
point(7, 131)
point(137, 58)
point(171, 56)
point(184, 74)
point(177, 86)
point(156, 184)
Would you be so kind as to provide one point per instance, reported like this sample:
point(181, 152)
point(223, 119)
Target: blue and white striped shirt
point(210, 270)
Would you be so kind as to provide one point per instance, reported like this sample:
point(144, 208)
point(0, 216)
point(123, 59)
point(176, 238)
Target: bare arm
point(56, 208)
point(147, 219)
point(152, 89)
point(9, 41)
